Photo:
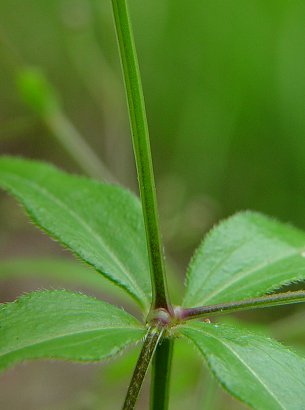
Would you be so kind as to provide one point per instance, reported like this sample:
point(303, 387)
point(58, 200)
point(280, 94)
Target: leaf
point(100, 223)
point(253, 368)
point(63, 325)
point(63, 271)
point(245, 256)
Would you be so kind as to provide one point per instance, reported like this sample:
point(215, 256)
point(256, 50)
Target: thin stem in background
point(40, 96)
point(104, 86)
point(160, 378)
point(69, 137)
point(276, 299)
point(151, 341)
point(142, 151)
point(57, 122)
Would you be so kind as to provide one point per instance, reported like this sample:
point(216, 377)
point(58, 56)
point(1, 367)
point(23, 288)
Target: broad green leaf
point(63, 325)
point(245, 256)
point(61, 270)
point(100, 223)
point(253, 368)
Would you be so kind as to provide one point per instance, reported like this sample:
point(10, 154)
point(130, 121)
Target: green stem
point(254, 303)
point(151, 341)
point(142, 151)
point(160, 378)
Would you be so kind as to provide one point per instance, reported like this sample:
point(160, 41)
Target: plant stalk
point(151, 341)
point(77, 147)
point(142, 151)
point(40, 96)
point(276, 299)
point(160, 378)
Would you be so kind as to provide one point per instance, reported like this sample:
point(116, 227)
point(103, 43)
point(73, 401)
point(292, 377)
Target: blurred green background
point(224, 84)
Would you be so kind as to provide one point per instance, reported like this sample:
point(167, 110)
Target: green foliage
point(245, 256)
point(252, 367)
point(63, 325)
point(102, 224)
point(37, 92)
point(142, 151)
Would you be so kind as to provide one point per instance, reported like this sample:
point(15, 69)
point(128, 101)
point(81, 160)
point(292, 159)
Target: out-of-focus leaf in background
point(225, 91)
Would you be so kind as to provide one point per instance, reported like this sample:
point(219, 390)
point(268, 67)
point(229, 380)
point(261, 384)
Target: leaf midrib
point(87, 227)
point(243, 274)
point(62, 336)
point(215, 266)
point(251, 371)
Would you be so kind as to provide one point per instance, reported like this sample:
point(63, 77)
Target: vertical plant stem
point(160, 378)
point(142, 151)
point(151, 341)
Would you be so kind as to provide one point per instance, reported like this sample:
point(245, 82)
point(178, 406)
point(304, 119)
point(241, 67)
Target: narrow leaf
point(63, 325)
point(253, 368)
point(102, 224)
point(245, 256)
